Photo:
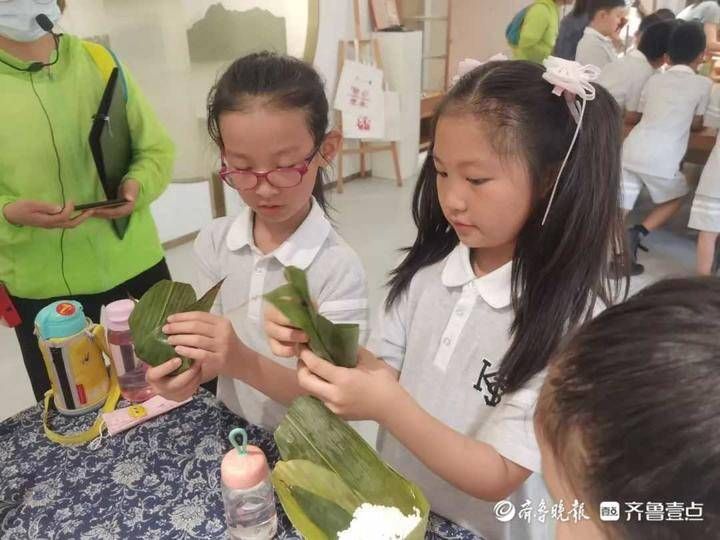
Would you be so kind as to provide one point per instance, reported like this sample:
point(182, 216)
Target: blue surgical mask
point(17, 18)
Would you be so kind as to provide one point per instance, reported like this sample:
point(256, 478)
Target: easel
point(369, 50)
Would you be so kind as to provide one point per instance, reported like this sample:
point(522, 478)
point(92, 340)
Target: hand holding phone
point(101, 204)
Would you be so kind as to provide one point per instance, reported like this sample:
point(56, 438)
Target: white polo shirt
point(625, 79)
point(709, 184)
point(668, 104)
point(707, 12)
point(595, 49)
point(336, 279)
point(447, 335)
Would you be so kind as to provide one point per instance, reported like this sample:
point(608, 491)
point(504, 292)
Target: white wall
point(149, 37)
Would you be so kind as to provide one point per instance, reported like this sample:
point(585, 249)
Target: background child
point(606, 20)
point(707, 13)
point(485, 294)
point(629, 413)
point(626, 77)
point(267, 113)
point(705, 212)
point(672, 103)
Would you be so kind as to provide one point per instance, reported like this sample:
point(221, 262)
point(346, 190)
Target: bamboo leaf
point(321, 503)
point(312, 433)
point(150, 315)
point(337, 343)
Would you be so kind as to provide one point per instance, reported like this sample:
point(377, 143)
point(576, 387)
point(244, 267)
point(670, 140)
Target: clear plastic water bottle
point(129, 368)
point(247, 492)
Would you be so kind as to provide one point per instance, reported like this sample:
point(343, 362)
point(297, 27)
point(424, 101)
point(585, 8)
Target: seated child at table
point(672, 103)
point(705, 212)
point(268, 115)
point(626, 77)
point(629, 413)
point(596, 46)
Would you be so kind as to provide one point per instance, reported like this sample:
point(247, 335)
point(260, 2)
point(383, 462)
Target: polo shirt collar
point(299, 250)
point(494, 288)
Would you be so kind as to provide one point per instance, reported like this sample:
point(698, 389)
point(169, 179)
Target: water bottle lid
point(117, 315)
point(245, 466)
point(60, 319)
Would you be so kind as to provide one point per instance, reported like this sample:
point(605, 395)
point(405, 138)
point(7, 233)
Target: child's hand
point(174, 387)
point(284, 338)
point(365, 392)
point(205, 338)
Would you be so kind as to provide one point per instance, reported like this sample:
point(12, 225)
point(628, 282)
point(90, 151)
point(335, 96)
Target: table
point(158, 480)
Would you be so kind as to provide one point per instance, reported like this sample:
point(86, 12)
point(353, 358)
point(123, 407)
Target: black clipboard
point(110, 143)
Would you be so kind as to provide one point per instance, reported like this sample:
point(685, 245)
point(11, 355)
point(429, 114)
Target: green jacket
point(93, 257)
point(539, 31)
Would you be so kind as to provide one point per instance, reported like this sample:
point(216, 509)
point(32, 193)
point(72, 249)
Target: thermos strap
point(93, 431)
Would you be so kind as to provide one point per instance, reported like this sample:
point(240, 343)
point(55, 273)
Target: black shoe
point(636, 235)
point(617, 269)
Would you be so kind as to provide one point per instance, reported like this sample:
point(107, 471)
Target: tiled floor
point(374, 217)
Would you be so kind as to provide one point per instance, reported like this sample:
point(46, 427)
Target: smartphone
point(101, 204)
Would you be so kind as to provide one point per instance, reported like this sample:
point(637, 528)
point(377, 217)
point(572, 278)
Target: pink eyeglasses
point(282, 177)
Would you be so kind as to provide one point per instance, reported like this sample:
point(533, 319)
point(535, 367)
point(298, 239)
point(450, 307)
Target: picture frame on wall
point(385, 14)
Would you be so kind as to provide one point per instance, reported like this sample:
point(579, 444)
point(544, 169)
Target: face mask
point(17, 18)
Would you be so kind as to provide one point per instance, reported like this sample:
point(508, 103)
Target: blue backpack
point(512, 32)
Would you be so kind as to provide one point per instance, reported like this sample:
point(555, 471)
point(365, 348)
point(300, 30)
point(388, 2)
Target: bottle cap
point(117, 315)
point(60, 319)
point(245, 466)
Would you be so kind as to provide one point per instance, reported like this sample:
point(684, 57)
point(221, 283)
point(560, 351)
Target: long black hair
point(631, 410)
point(560, 269)
point(282, 82)
point(581, 7)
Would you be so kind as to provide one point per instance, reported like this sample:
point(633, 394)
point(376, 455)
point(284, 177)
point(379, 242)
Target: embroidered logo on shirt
point(488, 385)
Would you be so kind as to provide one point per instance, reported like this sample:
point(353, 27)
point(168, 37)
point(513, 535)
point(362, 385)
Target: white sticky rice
point(372, 522)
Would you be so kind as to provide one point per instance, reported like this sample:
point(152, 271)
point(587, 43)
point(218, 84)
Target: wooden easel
point(367, 51)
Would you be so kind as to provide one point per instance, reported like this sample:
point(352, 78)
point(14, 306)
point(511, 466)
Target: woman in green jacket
point(51, 88)
point(539, 30)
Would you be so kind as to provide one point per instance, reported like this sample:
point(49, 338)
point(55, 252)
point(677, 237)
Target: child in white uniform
point(486, 293)
point(626, 77)
point(671, 104)
point(705, 212)
point(629, 413)
point(596, 46)
point(267, 113)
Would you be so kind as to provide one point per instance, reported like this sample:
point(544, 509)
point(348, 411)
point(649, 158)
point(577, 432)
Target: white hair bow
point(569, 79)
point(571, 76)
point(467, 65)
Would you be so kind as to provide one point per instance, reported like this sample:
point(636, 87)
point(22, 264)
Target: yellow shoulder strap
point(102, 58)
point(93, 431)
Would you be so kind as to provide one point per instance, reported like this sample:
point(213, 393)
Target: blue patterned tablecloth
point(160, 479)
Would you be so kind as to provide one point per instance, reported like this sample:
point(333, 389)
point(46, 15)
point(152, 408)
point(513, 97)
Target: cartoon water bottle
point(71, 346)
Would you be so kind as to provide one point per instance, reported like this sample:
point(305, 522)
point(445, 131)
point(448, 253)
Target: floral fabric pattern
point(158, 480)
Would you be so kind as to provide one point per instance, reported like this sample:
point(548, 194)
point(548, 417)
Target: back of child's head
point(596, 6)
point(654, 18)
point(559, 268)
point(687, 42)
point(630, 409)
point(655, 38)
point(277, 82)
point(665, 14)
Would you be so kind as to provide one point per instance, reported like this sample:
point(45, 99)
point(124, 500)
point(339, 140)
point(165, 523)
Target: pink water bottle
point(130, 369)
point(247, 491)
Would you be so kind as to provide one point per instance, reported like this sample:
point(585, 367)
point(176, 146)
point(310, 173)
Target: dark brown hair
point(631, 408)
point(560, 269)
point(282, 82)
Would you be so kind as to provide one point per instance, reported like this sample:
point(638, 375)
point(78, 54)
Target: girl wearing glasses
point(268, 114)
